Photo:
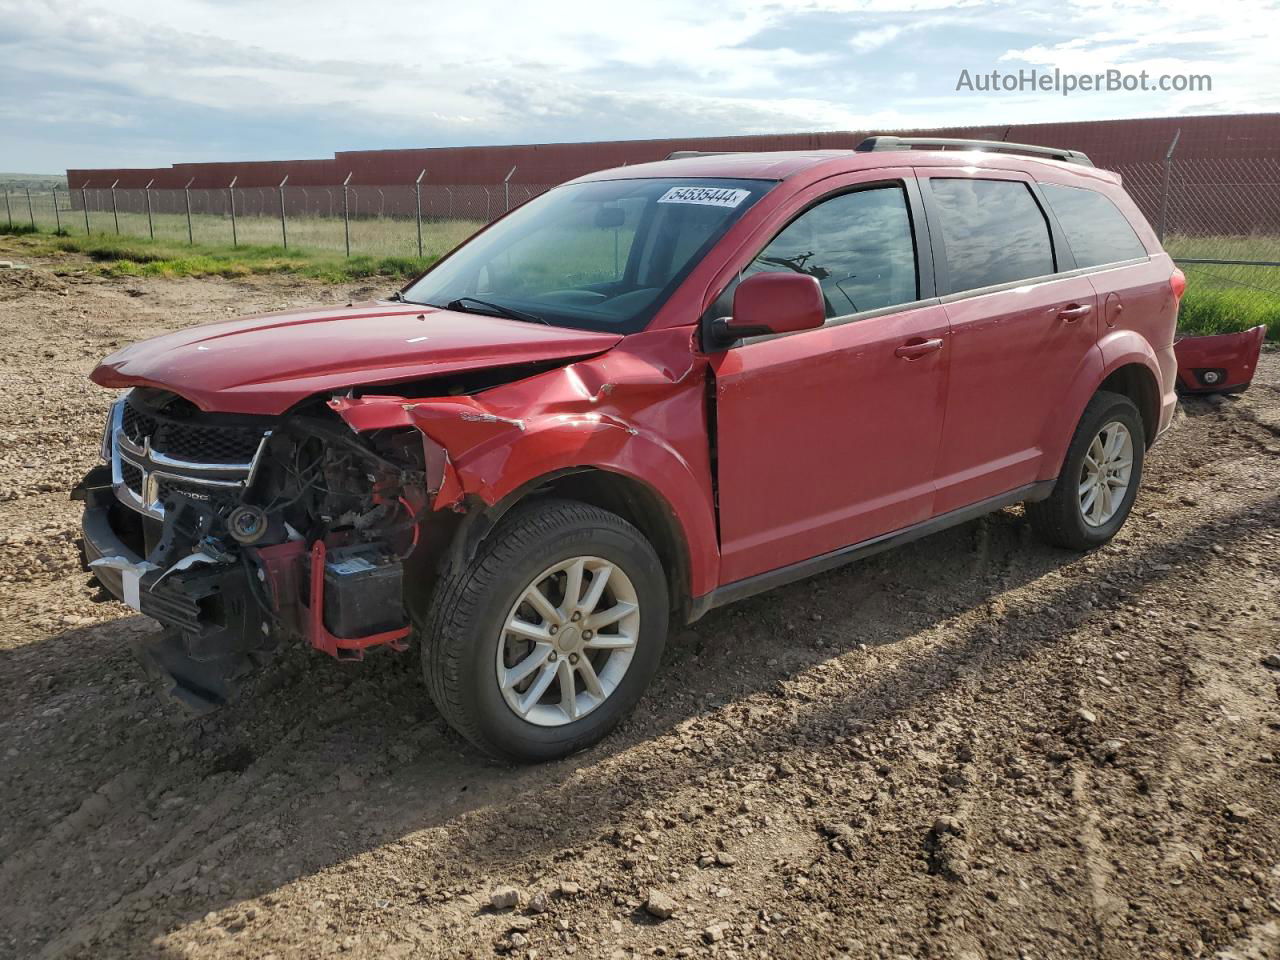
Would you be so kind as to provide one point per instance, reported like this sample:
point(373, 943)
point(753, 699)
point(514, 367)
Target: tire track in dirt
point(885, 761)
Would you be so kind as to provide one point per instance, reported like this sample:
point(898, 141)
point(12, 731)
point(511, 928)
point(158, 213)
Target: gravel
point(659, 905)
point(909, 772)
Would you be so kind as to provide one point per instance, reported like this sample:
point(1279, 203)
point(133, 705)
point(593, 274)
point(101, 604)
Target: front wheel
point(1100, 477)
point(550, 635)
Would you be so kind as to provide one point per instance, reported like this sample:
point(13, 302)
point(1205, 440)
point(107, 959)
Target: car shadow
point(151, 820)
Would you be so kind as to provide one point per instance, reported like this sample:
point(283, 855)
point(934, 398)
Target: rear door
point(828, 437)
point(1132, 285)
point(1020, 333)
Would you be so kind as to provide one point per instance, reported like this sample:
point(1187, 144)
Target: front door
point(828, 437)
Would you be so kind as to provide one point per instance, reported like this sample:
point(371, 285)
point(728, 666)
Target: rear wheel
point(550, 635)
point(1100, 477)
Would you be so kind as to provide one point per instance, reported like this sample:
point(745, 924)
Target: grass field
point(1219, 298)
point(380, 236)
point(1222, 298)
point(135, 256)
point(370, 236)
point(1227, 299)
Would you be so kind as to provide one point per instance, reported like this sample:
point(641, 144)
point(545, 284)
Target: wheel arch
point(630, 498)
point(1125, 364)
point(1137, 382)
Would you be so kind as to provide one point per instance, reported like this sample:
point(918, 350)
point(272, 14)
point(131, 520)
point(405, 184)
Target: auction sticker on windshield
point(707, 196)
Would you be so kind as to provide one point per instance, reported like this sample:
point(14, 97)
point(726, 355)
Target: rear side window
point(993, 231)
point(859, 247)
point(1096, 229)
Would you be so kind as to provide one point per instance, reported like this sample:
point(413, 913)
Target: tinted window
point(993, 231)
point(858, 245)
point(1096, 229)
point(593, 252)
point(601, 255)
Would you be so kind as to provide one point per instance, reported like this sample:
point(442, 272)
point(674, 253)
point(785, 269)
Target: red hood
point(266, 364)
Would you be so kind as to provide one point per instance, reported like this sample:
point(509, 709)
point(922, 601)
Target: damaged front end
point(240, 533)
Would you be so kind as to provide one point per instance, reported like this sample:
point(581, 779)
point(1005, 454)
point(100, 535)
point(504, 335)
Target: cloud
point(1223, 41)
point(864, 41)
point(142, 83)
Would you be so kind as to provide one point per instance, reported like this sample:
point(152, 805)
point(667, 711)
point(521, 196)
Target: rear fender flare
point(1116, 350)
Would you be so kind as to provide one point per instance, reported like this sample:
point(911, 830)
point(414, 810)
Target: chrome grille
point(132, 476)
point(218, 497)
point(154, 457)
point(206, 444)
point(137, 425)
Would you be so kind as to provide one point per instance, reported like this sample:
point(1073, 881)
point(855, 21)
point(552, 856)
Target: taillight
point(1178, 282)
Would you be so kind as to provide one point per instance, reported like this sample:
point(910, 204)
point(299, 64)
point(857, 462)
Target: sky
point(133, 83)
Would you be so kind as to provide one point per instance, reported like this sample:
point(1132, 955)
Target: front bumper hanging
point(225, 614)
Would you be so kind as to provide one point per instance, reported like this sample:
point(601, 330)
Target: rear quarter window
point(1096, 229)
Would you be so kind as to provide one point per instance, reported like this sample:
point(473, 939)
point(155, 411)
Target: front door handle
point(1074, 311)
point(914, 349)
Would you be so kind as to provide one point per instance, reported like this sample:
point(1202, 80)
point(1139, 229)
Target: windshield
point(596, 256)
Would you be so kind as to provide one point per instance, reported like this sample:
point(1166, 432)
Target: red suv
point(649, 392)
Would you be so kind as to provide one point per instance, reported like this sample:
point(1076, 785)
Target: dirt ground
point(971, 747)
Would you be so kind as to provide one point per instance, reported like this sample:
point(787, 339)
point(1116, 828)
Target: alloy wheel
point(568, 640)
point(1105, 474)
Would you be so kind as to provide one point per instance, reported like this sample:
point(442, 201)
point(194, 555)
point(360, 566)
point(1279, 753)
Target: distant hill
point(36, 182)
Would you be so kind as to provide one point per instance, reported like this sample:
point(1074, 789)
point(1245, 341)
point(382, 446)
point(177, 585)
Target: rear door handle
point(1073, 312)
point(914, 349)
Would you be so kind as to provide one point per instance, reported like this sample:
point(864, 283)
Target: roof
point(782, 165)
point(741, 166)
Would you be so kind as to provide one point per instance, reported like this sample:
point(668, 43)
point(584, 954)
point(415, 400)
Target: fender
point(638, 412)
point(1123, 347)
point(1116, 349)
point(499, 468)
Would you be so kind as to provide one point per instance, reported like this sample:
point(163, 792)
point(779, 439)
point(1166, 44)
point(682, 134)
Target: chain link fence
point(1218, 218)
point(384, 220)
point(39, 206)
point(1220, 221)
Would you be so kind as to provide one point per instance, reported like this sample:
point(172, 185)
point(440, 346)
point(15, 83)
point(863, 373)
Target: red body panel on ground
point(1222, 363)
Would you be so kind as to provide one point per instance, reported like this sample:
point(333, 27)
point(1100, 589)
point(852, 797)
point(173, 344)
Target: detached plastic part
point(200, 685)
point(1222, 363)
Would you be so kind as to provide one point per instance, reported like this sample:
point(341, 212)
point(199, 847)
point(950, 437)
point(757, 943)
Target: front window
point(858, 246)
point(603, 255)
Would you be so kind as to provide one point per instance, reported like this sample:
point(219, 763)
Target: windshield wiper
point(509, 312)
point(399, 297)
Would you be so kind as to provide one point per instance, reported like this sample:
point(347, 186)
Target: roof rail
point(685, 154)
point(876, 144)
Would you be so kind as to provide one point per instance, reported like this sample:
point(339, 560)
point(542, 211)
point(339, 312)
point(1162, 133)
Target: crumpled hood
point(265, 364)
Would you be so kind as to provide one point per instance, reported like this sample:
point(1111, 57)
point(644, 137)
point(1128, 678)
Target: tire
point(466, 640)
point(1061, 520)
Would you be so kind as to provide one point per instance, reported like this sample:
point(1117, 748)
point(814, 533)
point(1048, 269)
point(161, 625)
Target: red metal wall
point(1110, 143)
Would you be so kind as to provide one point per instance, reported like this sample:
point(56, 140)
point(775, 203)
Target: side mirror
point(767, 303)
